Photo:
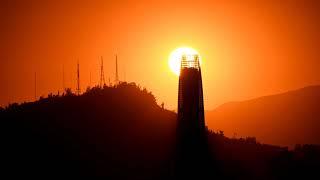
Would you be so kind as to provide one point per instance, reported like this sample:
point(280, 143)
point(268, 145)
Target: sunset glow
point(160, 89)
point(176, 55)
point(241, 46)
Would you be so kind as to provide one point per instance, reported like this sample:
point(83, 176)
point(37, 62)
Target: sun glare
point(176, 55)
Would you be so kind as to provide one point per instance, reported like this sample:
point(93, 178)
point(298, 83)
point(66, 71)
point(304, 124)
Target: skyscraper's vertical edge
point(201, 101)
point(180, 88)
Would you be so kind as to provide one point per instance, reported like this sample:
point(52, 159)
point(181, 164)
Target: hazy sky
point(249, 48)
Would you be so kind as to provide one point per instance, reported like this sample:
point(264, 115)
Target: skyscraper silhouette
point(192, 151)
point(190, 96)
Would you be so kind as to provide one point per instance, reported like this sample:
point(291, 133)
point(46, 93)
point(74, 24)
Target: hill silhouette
point(284, 119)
point(120, 132)
point(100, 132)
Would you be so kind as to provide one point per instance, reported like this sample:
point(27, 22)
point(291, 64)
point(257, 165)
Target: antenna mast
point(90, 80)
point(117, 77)
point(63, 84)
point(35, 86)
point(102, 80)
point(124, 73)
point(78, 79)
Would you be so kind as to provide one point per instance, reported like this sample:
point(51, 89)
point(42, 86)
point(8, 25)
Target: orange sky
point(249, 49)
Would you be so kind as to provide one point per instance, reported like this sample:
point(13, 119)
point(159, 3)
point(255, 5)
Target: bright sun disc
point(176, 55)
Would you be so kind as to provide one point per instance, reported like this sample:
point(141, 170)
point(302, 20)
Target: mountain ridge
point(311, 87)
point(298, 109)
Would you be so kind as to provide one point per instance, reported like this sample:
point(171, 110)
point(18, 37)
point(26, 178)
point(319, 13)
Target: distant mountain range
point(283, 119)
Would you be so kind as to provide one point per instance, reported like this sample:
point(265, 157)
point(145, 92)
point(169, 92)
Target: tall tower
point(78, 78)
point(190, 96)
point(191, 156)
point(117, 76)
point(102, 80)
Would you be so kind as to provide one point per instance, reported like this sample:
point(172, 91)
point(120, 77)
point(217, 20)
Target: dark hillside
point(121, 133)
point(102, 132)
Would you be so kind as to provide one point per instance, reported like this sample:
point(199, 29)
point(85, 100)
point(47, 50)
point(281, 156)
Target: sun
point(176, 55)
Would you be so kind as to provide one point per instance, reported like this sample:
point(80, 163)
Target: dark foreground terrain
point(121, 133)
